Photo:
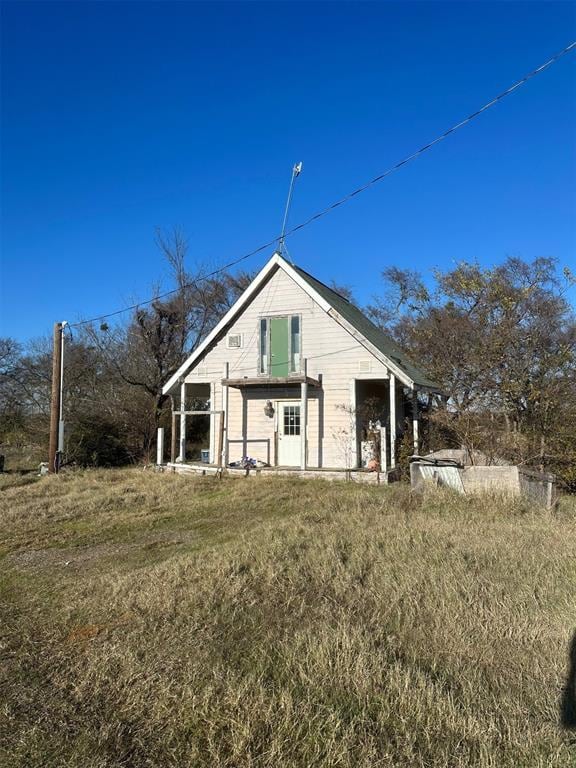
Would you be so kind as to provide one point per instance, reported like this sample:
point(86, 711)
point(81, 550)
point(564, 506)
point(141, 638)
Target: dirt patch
point(76, 558)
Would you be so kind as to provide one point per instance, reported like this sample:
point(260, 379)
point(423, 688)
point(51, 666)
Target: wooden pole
point(53, 458)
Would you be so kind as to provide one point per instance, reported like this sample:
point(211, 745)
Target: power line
point(435, 141)
point(349, 196)
point(178, 290)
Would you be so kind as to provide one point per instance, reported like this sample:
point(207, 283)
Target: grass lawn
point(156, 621)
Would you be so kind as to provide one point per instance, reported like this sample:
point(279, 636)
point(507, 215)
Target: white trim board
point(374, 351)
point(272, 264)
point(278, 262)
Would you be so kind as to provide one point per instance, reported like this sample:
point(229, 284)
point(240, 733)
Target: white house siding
point(332, 354)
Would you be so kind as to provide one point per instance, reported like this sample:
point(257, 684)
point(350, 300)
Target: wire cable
point(409, 158)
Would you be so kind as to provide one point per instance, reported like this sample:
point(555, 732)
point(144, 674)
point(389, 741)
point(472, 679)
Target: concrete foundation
point(352, 475)
point(538, 487)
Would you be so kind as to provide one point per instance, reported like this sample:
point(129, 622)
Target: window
point(292, 420)
point(295, 344)
point(280, 345)
point(264, 345)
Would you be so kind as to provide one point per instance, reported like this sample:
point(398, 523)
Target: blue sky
point(122, 117)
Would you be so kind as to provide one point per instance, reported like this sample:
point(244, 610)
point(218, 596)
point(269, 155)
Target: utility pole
point(61, 411)
point(53, 455)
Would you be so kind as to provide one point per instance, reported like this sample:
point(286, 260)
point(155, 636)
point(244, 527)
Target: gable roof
point(334, 304)
point(376, 336)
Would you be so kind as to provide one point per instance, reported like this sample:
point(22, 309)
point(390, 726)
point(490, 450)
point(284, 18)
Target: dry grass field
point(157, 621)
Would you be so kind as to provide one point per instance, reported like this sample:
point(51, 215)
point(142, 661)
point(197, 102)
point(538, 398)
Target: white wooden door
point(289, 434)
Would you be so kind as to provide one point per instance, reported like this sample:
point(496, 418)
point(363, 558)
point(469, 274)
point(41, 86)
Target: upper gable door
point(279, 346)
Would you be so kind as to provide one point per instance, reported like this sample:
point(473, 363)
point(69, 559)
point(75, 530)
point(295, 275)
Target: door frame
point(268, 318)
point(278, 405)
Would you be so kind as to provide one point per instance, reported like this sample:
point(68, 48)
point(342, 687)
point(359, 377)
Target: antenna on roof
point(296, 171)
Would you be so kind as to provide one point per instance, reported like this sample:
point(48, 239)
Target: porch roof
point(271, 381)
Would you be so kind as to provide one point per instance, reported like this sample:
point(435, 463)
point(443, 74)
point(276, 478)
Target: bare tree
point(146, 352)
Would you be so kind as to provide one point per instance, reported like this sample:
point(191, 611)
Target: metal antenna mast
point(296, 171)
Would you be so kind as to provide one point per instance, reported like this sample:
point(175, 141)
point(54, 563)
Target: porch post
point(173, 433)
point(415, 420)
point(160, 447)
point(213, 457)
point(225, 414)
point(220, 441)
point(182, 454)
point(303, 416)
point(352, 459)
point(392, 421)
point(383, 456)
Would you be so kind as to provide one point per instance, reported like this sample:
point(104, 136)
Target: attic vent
point(234, 341)
point(365, 366)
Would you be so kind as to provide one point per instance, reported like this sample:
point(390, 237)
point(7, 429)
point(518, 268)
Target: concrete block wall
point(492, 479)
point(537, 487)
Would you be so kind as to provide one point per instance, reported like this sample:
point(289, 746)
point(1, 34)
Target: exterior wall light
point(269, 409)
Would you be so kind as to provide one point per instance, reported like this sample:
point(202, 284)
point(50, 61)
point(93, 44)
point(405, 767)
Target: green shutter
point(279, 336)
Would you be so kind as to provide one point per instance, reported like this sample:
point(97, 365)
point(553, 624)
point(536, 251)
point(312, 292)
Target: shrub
point(95, 441)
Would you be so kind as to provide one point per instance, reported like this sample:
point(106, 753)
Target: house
point(287, 372)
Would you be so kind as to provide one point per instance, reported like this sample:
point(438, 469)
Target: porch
point(291, 423)
point(362, 476)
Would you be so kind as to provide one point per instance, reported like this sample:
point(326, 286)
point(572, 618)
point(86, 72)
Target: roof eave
point(273, 263)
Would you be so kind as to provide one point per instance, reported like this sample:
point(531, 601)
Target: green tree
point(502, 343)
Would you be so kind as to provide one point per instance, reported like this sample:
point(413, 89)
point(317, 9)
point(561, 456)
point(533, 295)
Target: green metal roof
point(371, 332)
